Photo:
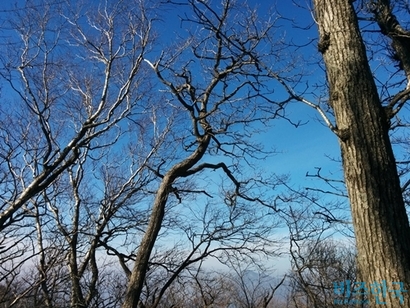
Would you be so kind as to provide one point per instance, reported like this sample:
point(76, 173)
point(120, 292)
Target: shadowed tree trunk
point(379, 216)
point(137, 278)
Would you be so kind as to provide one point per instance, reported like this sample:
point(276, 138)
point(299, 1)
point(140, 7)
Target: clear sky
point(312, 145)
point(299, 150)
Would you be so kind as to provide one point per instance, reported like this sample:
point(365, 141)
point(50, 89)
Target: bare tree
point(317, 267)
point(250, 287)
point(208, 233)
point(320, 247)
point(64, 106)
point(79, 84)
point(214, 79)
point(98, 159)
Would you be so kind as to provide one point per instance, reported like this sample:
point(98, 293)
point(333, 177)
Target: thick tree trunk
point(379, 216)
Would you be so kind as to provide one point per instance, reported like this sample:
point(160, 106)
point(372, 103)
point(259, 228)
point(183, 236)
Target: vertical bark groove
point(379, 215)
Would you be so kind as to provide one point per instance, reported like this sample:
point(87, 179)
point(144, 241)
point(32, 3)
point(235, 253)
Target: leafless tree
point(214, 79)
point(75, 81)
point(110, 144)
point(66, 190)
point(239, 288)
point(207, 234)
point(317, 266)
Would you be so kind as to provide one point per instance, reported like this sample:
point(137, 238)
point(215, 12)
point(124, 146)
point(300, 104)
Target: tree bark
point(379, 216)
point(136, 282)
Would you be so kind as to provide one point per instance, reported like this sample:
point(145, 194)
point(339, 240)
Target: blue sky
point(299, 150)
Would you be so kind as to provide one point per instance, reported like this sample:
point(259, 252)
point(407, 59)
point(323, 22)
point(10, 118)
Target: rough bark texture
point(137, 278)
point(379, 216)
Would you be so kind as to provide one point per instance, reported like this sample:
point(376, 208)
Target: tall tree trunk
point(379, 216)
